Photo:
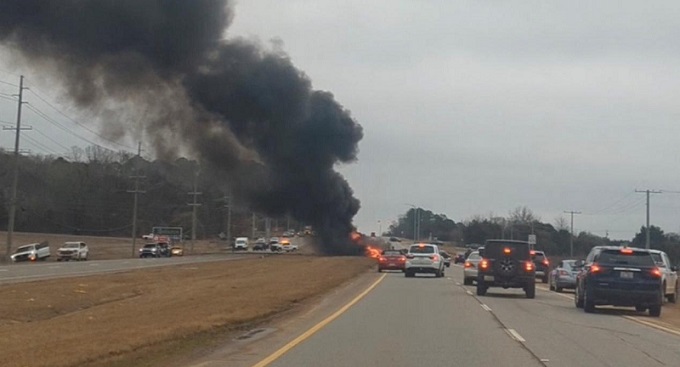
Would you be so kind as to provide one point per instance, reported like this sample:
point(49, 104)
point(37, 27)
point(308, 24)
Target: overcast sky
point(479, 107)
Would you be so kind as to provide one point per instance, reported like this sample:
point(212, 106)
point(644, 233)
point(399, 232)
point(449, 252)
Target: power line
point(76, 122)
point(8, 83)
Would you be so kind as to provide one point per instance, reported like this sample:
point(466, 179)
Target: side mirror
point(674, 268)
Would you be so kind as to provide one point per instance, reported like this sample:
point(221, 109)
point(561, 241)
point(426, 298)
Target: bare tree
point(561, 223)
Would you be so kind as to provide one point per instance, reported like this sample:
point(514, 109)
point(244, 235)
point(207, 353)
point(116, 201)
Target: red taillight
point(626, 251)
point(529, 266)
point(507, 250)
point(468, 264)
point(382, 259)
point(656, 273)
point(546, 262)
point(484, 264)
point(402, 258)
point(434, 257)
point(595, 269)
point(532, 252)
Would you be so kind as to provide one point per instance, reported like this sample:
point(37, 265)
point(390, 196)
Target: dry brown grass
point(101, 320)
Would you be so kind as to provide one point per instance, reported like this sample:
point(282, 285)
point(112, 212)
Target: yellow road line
point(653, 325)
point(307, 334)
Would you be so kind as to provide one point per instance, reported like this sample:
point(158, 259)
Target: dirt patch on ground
point(109, 319)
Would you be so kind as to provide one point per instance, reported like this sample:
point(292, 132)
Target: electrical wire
point(76, 122)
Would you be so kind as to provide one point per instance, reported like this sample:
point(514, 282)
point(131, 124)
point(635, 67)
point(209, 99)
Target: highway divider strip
point(314, 329)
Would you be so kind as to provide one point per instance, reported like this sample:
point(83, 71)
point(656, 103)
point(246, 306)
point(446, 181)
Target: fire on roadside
point(372, 252)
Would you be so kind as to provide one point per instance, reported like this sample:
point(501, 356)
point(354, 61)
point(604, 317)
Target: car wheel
point(379, 270)
point(655, 310)
point(640, 308)
point(481, 288)
point(673, 298)
point(545, 279)
point(530, 290)
point(578, 301)
point(58, 259)
point(550, 284)
point(467, 281)
point(558, 289)
point(588, 302)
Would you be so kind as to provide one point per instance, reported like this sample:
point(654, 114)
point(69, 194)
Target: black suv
point(506, 264)
point(619, 276)
point(542, 265)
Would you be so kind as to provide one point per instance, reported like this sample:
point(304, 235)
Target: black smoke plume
point(241, 108)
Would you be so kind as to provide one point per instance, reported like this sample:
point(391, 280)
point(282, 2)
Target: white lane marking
point(515, 335)
point(457, 283)
point(4, 269)
point(487, 308)
point(468, 292)
point(544, 360)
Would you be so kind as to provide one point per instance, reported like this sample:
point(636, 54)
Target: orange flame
point(372, 252)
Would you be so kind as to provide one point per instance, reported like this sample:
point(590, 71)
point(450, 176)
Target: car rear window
point(495, 249)
point(616, 257)
point(421, 249)
point(391, 253)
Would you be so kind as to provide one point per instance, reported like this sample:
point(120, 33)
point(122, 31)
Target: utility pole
point(228, 198)
point(136, 201)
point(194, 205)
point(571, 238)
point(647, 230)
point(253, 233)
point(15, 179)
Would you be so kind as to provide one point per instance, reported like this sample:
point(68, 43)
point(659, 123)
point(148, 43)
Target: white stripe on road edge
point(485, 307)
point(652, 325)
point(515, 335)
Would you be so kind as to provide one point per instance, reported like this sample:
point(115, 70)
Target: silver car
point(470, 268)
point(563, 276)
point(424, 258)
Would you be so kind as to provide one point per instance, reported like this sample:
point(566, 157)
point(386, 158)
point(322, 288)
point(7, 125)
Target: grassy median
point(144, 317)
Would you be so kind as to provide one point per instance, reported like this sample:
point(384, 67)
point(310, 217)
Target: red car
point(391, 260)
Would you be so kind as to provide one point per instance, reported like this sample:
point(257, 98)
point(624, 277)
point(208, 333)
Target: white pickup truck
point(73, 251)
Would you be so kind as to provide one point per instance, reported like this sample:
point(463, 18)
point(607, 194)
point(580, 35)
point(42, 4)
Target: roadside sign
point(532, 239)
point(175, 233)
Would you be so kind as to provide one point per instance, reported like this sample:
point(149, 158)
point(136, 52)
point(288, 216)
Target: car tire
point(655, 311)
point(558, 289)
point(545, 279)
point(640, 308)
point(467, 281)
point(530, 290)
point(588, 302)
point(481, 288)
point(578, 301)
point(379, 270)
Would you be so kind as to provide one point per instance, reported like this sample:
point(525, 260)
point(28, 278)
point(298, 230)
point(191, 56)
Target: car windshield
point(24, 249)
point(657, 258)
point(72, 245)
point(474, 256)
point(568, 264)
point(391, 253)
point(150, 246)
point(617, 257)
point(418, 249)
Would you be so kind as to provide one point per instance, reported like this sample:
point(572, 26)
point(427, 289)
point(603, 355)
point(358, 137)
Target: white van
point(241, 243)
point(32, 252)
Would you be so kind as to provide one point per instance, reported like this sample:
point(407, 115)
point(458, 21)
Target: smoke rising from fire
point(243, 109)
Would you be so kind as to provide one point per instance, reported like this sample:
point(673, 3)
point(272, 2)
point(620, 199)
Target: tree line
point(91, 192)
point(555, 239)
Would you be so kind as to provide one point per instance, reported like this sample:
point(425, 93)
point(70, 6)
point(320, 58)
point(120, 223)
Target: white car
point(241, 243)
point(73, 251)
point(470, 268)
point(424, 258)
point(669, 274)
point(31, 252)
point(148, 236)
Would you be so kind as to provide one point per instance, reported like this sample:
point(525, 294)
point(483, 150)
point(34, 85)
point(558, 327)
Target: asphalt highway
point(23, 272)
point(430, 321)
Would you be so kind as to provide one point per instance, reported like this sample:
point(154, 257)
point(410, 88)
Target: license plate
point(392, 264)
point(626, 274)
point(488, 278)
